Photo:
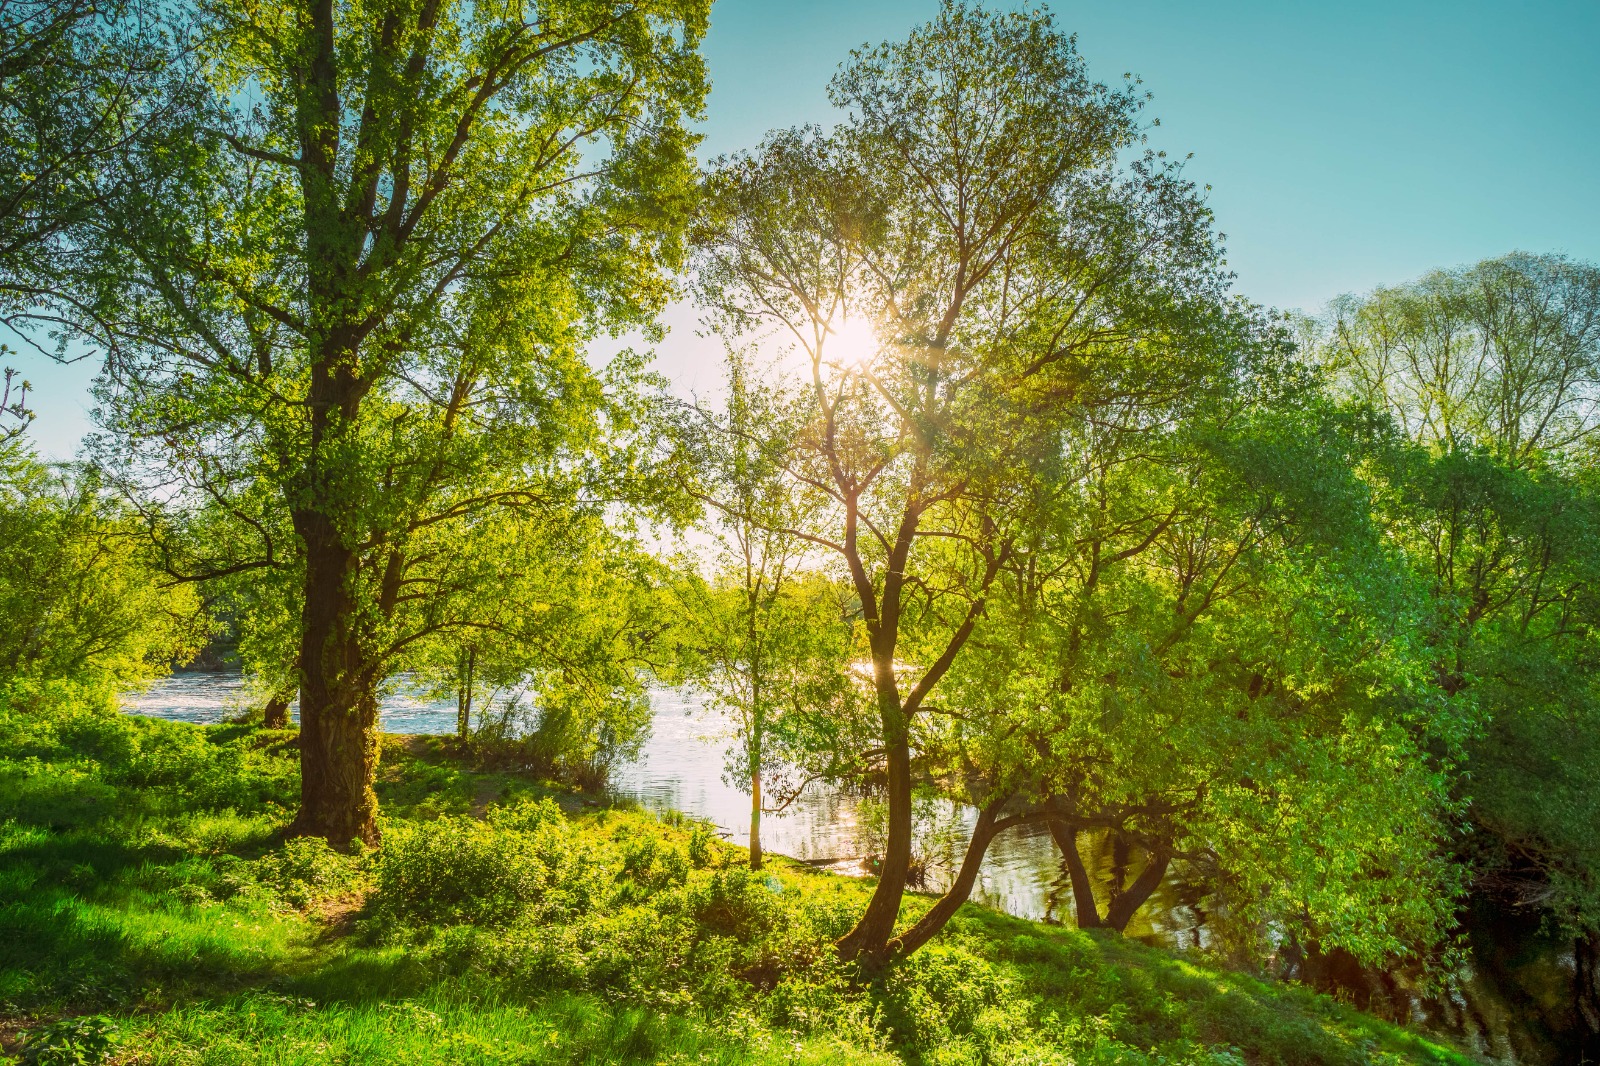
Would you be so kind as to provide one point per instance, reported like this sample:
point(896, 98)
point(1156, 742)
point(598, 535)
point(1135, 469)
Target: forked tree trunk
point(1128, 902)
point(1125, 899)
point(989, 826)
point(960, 890)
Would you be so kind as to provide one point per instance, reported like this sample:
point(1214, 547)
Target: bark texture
point(869, 942)
point(276, 715)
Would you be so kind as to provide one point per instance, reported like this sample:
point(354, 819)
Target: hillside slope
point(149, 912)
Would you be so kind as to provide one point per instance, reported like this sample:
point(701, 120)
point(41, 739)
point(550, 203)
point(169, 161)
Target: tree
point(1491, 376)
point(558, 639)
point(79, 598)
point(1202, 649)
point(973, 209)
point(356, 292)
point(768, 641)
point(1503, 356)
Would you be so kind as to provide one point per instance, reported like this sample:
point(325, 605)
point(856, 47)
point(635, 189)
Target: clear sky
point(1347, 144)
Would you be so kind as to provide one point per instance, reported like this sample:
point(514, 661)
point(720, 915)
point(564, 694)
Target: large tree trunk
point(1087, 911)
point(868, 942)
point(338, 702)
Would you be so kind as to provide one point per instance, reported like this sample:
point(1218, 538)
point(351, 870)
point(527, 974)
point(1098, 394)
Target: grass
point(143, 884)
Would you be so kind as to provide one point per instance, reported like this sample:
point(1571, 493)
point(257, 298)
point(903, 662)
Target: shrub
point(734, 902)
point(455, 870)
point(305, 870)
point(82, 1041)
point(649, 866)
point(943, 992)
point(527, 815)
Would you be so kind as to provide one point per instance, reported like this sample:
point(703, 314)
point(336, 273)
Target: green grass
point(142, 879)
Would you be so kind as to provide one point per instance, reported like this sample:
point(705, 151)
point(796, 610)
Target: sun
point(852, 343)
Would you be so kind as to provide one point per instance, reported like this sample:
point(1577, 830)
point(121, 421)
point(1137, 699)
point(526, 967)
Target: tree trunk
point(464, 695)
point(868, 942)
point(1586, 992)
point(755, 818)
point(276, 715)
point(338, 701)
point(1066, 838)
point(929, 925)
point(1127, 903)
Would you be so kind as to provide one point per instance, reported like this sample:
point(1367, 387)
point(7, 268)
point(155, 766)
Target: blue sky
point(1347, 145)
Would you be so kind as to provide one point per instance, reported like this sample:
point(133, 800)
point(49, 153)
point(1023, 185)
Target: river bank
point(146, 888)
point(680, 769)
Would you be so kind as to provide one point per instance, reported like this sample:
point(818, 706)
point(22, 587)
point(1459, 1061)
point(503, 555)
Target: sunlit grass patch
point(451, 1027)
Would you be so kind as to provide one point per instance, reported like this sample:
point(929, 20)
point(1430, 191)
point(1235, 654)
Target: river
point(680, 768)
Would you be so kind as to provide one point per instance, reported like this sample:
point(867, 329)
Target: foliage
point(973, 207)
point(462, 870)
point(80, 597)
point(1503, 356)
point(552, 679)
point(1489, 376)
point(82, 1041)
point(81, 82)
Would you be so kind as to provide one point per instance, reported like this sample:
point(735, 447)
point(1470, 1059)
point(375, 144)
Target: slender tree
point(974, 210)
point(767, 639)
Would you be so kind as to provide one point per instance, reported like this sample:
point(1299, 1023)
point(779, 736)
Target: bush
point(455, 870)
point(945, 995)
point(84, 1041)
point(650, 866)
point(306, 870)
point(207, 768)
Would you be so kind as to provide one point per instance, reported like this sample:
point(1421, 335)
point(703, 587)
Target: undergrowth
point(150, 912)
